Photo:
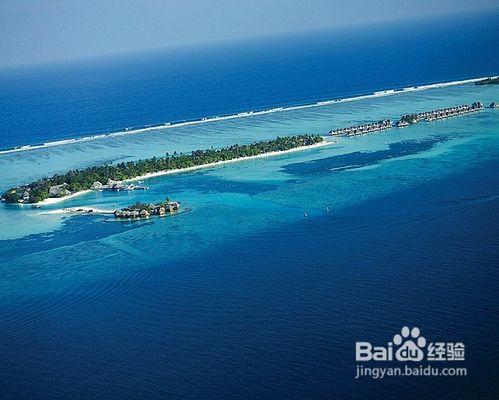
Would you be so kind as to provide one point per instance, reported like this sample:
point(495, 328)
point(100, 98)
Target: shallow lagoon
point(246, 294)
point(26, 166)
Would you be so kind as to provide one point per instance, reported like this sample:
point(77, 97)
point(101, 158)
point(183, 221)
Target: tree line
point(83, 179)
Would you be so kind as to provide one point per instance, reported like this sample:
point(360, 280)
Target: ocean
point(79, 99)
point(262, 289)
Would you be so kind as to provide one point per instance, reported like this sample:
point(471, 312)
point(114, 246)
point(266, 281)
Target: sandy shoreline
point(55, 200)
point(215, 164)
point(78, 210)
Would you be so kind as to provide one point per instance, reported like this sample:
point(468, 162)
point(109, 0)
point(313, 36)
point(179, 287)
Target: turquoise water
point(262, 289)
point(26, 166)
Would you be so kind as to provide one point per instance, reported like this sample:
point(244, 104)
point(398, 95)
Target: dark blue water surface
point(361, 158)
point(246, 296)
point(54, 102)
point(275, 314)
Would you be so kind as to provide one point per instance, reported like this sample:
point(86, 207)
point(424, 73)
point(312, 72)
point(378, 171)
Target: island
point(144, 210)
point(82, 180)
point(134, 211)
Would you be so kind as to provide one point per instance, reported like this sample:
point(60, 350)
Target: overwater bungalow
point(143, 210)
point(362, 129)
point(434, 115)
point(116, 186)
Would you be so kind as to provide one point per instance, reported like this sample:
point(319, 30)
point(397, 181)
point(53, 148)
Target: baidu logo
point(411, 342)
point(419, 357)
point(409, 345)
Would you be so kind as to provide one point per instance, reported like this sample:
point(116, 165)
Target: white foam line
point(168, 125)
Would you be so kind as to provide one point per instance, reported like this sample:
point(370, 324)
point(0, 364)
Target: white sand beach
point(78, 210)
point(215, 164)
point(55, 200)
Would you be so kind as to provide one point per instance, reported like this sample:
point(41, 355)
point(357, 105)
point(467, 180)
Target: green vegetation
point(78, 180)
point(149, 206)
point(410, 118)
point(144, 210)
point(138, 207)
point(11, 196)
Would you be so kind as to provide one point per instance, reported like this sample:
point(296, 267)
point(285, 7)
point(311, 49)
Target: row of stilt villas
point(441, 113)
point(140, 210)
point(410, 119)
point(362, 129)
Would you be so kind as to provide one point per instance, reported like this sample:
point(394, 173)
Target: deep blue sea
point(55, 102)
point(261, 290)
